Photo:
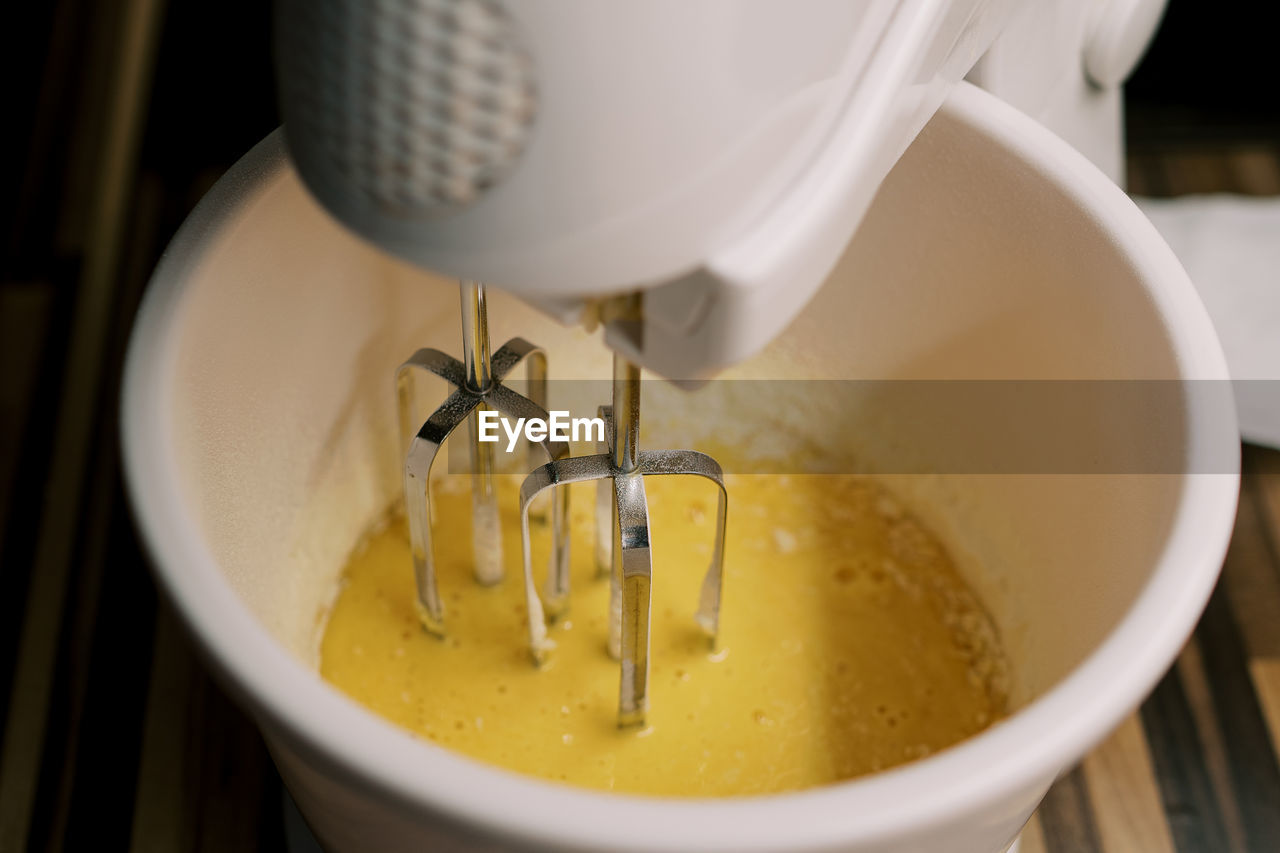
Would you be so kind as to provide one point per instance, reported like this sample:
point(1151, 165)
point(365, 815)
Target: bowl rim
point(1015, 756)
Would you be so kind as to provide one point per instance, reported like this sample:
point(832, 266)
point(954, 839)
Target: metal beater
point(622, 514)
point(477, 381)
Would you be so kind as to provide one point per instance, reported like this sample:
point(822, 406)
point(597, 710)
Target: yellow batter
point(848, 644)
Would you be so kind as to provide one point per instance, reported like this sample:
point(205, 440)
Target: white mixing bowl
point(259, 443)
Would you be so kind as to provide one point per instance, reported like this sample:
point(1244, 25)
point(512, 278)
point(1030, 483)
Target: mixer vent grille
point(419, 106)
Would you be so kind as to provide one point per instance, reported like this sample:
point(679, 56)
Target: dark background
point(1210, 77)
point(118, 116)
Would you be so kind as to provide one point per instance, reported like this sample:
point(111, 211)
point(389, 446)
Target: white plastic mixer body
point(717, 155)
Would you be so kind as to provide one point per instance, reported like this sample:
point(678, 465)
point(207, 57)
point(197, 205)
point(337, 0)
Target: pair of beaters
point(622, 550)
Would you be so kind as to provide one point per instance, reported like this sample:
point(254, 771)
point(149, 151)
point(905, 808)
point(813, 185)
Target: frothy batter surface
point(849, 644)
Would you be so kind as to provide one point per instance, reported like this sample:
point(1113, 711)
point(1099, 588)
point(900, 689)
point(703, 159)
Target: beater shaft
point(626, 415)
point(486, 525)
point(631, 578)
point(624, 442)
point(475, 336)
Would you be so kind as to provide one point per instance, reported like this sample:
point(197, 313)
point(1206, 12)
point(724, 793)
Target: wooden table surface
point(115, 738)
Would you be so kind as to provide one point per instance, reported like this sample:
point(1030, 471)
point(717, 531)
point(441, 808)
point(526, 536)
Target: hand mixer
point(685, 173)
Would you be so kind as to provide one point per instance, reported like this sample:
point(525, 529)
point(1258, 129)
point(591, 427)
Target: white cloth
point(1230, 247)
